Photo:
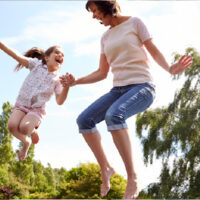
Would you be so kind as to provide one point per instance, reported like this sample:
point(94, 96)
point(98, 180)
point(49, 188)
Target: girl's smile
point(55, 60)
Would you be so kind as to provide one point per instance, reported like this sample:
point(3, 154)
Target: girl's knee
point(12, 127)
point(24, 129)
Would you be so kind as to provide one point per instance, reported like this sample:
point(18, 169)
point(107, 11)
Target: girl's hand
point(183, 63)
point(67, 80)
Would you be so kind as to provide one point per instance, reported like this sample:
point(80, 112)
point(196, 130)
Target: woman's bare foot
point(131, 189)
point(106, 175)
point(34, 137)
point(23, 152)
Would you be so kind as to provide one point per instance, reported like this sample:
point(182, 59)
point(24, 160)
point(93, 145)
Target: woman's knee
point(114, 118)
point(82, 120)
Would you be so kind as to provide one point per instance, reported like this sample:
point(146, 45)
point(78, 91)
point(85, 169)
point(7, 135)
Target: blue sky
point(174, 26)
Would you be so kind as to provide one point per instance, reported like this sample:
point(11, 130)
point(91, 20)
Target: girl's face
point(105, 20)
point(55, 59)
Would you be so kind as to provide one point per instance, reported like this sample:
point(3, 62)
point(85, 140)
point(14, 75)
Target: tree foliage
point(30, 179)
point(84, 182)
point(174, 131)
point(6, 152)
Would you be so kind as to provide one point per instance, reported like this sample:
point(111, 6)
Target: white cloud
point(135, 8)
point(178, 30)
point(60, 27)
point(89, 48)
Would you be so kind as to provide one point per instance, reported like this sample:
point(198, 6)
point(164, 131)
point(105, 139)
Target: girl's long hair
point(38, 53)
point(34, 52)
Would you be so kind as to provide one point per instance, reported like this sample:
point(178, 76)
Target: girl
point(122, 50)
point(41, 83)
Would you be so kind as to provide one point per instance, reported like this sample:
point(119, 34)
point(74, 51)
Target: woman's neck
point(117, 20)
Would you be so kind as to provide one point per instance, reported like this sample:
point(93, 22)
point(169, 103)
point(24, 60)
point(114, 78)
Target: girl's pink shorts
point(38, 112)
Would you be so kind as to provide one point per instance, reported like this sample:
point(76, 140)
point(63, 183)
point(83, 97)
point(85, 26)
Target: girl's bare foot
point(34, 137)
point(23, 152)
point(131, 189)
point(106, 175)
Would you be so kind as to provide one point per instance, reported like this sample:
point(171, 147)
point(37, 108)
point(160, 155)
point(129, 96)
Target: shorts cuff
point(117, 127)
point(87, 131)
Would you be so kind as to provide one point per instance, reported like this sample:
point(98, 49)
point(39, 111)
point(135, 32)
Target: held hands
point(183, 63)
point(67, 80)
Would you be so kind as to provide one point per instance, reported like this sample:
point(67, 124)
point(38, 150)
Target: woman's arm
point(180, 66)
point(98, 75)
point(14, 54)
point(156, 54)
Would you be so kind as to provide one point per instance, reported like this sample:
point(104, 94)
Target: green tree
point(84, 182)
point(59, 176)
point(23, 170)
point(174, 131)
point(4, 178)
point(40, 181)
point(6, 151)
point(51, 181)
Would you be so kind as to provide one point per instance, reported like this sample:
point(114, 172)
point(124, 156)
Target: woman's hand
point(67, 80)
point(183, 63)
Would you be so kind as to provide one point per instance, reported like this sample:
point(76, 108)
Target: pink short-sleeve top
point(39, 85)
point(123, 48)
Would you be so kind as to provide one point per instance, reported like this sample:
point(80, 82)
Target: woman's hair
point(38, 53)
point(107, 7)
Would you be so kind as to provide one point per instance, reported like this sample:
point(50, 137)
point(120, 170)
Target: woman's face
point(105, 20)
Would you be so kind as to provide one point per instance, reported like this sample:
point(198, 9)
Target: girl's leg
point(94, 142)
point(13, 127)
point(26, 127)
point(29, 125)
point(13, 124)
point(35, 137)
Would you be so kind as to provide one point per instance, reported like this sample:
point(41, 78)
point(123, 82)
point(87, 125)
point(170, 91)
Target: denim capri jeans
point(116, 106)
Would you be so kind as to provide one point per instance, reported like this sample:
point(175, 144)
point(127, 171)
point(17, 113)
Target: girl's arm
point(14, 54)
point(98, 75)
point(60, 98)
point(180, 66)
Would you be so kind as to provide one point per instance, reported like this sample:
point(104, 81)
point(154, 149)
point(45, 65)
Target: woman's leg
point(94, 142)
point(87, 121)
point(135, 99)
point(122, 141)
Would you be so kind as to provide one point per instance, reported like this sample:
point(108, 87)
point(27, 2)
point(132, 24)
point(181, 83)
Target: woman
point(133, 90)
